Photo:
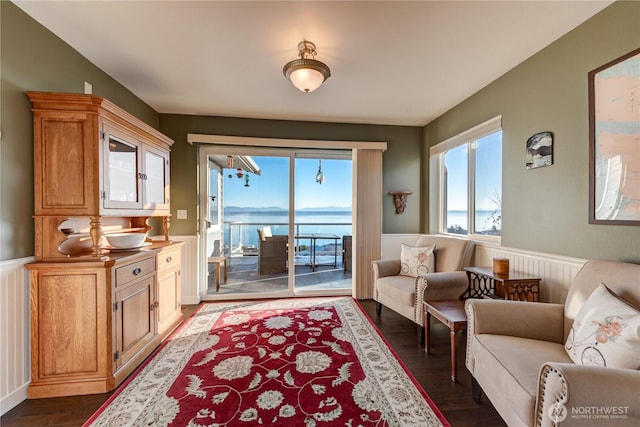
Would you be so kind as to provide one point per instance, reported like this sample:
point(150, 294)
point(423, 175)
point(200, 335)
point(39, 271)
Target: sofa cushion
point(513, 365)
point(398, 288)
point(416, 261)
point(606, 332)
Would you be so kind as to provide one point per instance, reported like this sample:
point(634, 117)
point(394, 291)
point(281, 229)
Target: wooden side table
point(220, 263)
point(483, 282)
point(451, 313)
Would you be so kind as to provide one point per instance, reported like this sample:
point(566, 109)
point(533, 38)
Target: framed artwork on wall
point(614, 141)
point(540, 150)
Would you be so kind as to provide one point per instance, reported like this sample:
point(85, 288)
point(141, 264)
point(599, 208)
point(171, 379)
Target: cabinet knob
point(169, 259)
point(137, 271)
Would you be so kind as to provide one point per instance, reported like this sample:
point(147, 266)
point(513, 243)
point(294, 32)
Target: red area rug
point(293, 362)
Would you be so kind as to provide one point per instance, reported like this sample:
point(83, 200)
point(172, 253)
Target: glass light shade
point(306, 74)
point(306, 79)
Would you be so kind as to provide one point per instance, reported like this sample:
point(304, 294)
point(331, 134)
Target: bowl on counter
point(126, 240)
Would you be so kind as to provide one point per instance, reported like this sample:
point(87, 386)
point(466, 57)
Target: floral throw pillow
point(415, 261)
point(606, 332)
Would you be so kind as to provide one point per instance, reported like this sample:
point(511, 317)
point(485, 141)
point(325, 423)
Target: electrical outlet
point(88, 89)
point(181, 213)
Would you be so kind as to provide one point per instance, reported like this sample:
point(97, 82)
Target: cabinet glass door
point(122, 189)
point(155, 179)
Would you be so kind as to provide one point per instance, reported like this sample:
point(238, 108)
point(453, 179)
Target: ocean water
point(242, 226)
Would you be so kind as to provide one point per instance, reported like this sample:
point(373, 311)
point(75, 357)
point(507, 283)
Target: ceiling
point(396, 63)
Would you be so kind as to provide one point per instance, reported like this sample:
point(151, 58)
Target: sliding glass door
point(322, 219)
point(246, 243)
point(265, 231)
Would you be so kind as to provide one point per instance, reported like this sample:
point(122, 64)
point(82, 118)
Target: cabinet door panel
point(135, 322)
point(69, 310)
point(169, 309)
point(121, 170)
point(63, 165)
point(156, 179)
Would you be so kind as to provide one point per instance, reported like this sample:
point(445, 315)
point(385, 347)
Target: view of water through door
point(322, 219)
point(256, 244)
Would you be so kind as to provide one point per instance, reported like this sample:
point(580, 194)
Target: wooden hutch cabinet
point(97, 312)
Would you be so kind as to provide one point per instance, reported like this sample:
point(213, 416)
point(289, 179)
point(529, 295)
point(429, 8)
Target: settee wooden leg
point(476, 390)
point(421, 335)
point(378, 309)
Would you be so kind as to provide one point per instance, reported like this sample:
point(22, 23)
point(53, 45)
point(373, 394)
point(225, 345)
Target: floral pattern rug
point(291, 362)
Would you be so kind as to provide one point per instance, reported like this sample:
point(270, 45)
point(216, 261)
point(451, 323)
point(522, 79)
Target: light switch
point(182, 214)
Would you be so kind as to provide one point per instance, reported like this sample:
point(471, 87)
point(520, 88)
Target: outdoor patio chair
point(272, 252)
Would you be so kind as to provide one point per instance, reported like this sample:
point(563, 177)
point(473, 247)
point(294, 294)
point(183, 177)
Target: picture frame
point(614, 141)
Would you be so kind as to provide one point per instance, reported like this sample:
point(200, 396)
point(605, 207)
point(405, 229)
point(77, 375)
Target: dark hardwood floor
point(431, 370)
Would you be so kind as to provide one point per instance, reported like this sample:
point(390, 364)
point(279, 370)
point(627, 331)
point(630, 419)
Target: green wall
point(401, 161)
point(546, 209)
point(32, 58)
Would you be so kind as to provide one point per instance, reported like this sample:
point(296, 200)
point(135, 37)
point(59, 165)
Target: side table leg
point(427, 331)
point(453, 335)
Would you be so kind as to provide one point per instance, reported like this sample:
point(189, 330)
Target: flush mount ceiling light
point(306, 73)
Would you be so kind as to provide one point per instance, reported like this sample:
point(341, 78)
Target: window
point(469, 174)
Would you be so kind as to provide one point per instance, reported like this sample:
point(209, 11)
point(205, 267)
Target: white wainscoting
point(556, 271)
point(15, 371)
point(189, 269)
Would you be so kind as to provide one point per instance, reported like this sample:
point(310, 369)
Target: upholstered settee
point(539, 366)
point(447, 280)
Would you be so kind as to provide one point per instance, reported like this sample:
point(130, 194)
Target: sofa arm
point(534, 320)
point(443, 285)
point(385, 267)
point(577, 395)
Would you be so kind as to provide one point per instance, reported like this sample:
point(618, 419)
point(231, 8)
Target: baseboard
point(13, 399)
point(190, 301)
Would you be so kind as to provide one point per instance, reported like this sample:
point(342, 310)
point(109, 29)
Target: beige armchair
point(517, 357)
point(404, 294)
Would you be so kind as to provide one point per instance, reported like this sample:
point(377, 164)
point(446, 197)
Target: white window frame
point(438, 190)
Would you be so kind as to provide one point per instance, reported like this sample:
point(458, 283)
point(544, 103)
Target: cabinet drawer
point(169, 259)
point(127, 273)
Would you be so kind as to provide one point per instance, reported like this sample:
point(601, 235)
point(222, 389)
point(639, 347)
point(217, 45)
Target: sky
point(271, 187)
point(488, 174)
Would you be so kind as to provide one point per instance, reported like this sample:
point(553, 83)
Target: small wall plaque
point(540, 150)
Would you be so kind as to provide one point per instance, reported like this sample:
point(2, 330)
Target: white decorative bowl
point(126, 240)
